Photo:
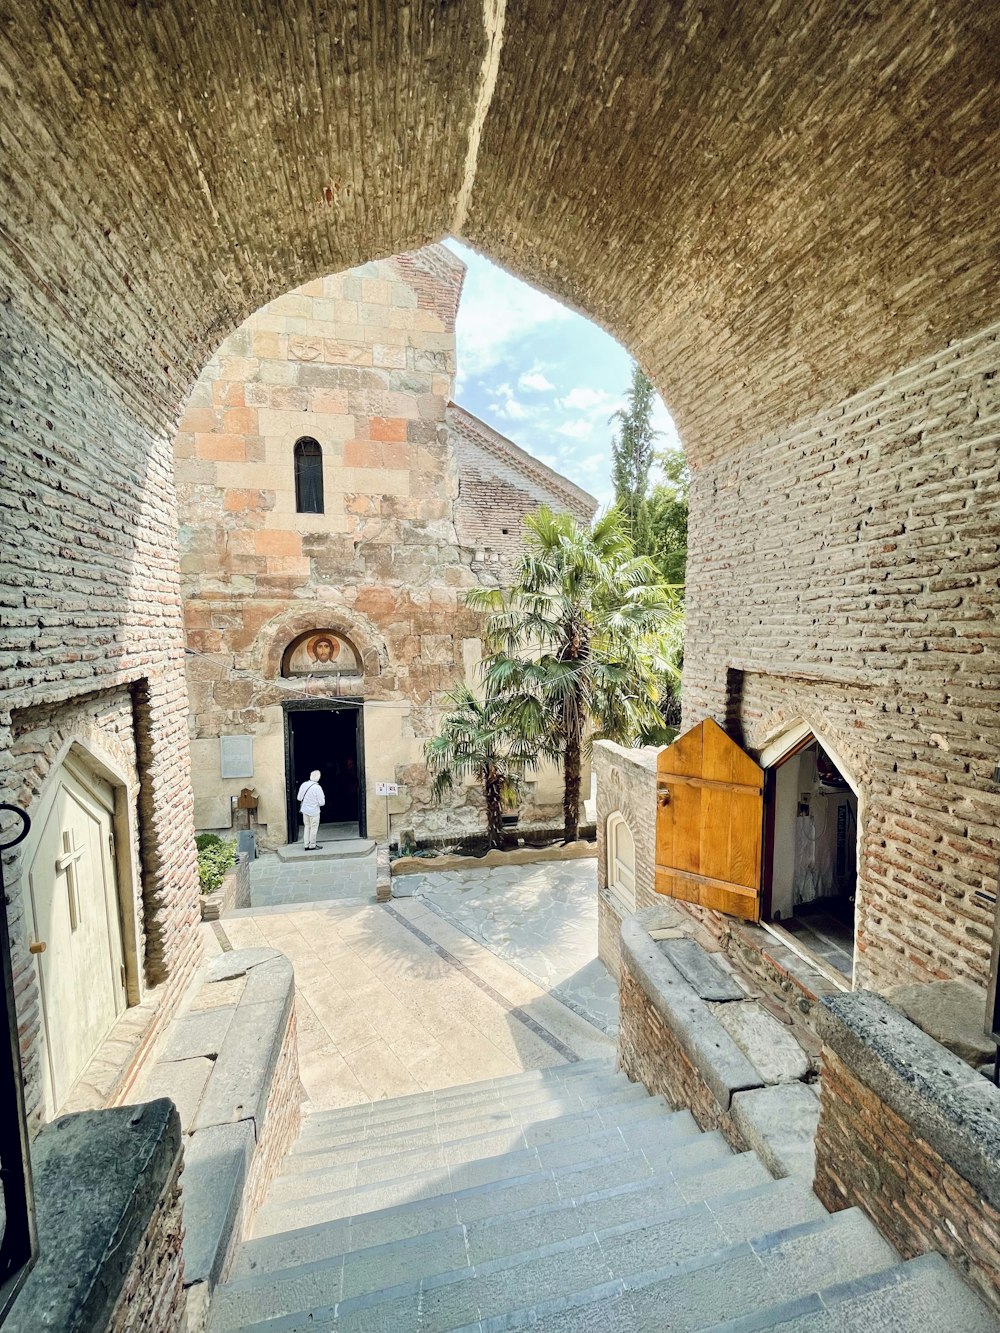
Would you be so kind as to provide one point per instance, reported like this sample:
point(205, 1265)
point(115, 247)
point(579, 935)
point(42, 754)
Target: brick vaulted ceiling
point(771, 204)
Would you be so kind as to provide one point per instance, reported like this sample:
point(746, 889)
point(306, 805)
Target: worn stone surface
point(779, 1124)
point(768, 1044)
point(952, 1012)
point(216, 1162)
point(197, 1034)
point(183, 1081)
point(706, 977)
point(908, 1132)
point(653, 982)
point(238, 962)
point(106, 1200)
point(942, 1099)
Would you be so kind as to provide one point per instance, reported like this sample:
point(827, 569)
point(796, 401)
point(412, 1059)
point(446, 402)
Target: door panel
point(75, 907)
point(709, 817)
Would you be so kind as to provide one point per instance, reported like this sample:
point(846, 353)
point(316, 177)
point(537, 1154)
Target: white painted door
point(74, 902)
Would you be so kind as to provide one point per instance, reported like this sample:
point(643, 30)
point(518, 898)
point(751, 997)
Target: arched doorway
point(76, 926)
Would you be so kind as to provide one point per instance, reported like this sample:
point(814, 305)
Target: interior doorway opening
point(811, 864)
point(327, 736)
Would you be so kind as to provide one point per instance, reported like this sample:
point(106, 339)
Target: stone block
point(779, 1123)
point(768, 1044)
point(241, 1080)
point(952, 1012)
point(216, 1162)
point(183, 1081)
point(238, 962)
point(706, 978)
point(198, 1034)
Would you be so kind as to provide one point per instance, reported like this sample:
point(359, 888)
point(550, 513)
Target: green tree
point(632, 454)
point(477, 740)
point(666, 522)
point(575, 645)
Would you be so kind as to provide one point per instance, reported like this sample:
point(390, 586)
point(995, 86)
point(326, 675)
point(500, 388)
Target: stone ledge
point(516, 856)
point(99, 1177)
point(714, 1054)
point(948, 1104)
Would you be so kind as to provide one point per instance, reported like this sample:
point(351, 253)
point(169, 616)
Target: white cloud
point(576, 430)
point(496, 314)
point(583, 399)
point(534, 381)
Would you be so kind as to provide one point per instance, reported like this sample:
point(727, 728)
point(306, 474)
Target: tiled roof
point(499, 484)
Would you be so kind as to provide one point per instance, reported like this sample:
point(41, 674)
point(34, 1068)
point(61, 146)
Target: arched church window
point(621, 861)
point(308, 476)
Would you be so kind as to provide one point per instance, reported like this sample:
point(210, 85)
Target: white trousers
point(311, 830)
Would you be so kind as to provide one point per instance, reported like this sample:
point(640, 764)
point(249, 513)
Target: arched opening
point(308, 459)
point(811, 844)
point(621, 860)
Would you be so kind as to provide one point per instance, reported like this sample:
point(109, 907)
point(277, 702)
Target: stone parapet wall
point(911, 1134)
point(626, 783)
point(110, 1225)
point(843, 572)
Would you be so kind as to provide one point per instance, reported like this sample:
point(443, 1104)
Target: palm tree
point(576, 646)
point(476, 740)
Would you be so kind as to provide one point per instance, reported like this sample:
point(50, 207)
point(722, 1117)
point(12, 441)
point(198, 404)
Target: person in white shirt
point(311, 800)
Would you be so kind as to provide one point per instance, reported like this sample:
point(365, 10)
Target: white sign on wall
point(386, 788)
point(236, 756)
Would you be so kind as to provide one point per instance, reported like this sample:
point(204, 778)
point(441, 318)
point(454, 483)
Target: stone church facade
point(335, 505)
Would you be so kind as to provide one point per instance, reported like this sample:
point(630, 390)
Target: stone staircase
point(565, 1200)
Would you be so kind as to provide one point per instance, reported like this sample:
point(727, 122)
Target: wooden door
point(709, 822)
point(74, 903)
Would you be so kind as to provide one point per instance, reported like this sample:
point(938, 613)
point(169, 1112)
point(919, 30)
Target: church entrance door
point(77, 927)
point(327, 736)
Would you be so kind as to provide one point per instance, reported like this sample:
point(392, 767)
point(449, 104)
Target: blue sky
point(542, 375)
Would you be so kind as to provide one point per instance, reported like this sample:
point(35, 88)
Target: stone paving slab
point(540, 919)
point(384, 1009)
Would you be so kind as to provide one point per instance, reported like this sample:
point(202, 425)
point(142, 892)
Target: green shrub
point(215, 858)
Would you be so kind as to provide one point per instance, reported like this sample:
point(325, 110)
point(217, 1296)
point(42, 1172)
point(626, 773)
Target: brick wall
point(92, 645)
point(153, 1299)
point(909, 1134)
point(845, 573)
point(649, 1053)
point(626, 783)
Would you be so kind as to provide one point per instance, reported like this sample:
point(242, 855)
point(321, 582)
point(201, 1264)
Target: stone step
point(923, 1295)
point(535, 1083)
point(459, 1121)
point(694, 1234)
point(436, 1145)
point(459, 1168)
point(479, 1114)
point(695, 1173)
point(695, 1179)
point(733, 1288)
point(577, 1166)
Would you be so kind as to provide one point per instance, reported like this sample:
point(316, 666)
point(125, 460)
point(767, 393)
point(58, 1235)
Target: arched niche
point(321, 652)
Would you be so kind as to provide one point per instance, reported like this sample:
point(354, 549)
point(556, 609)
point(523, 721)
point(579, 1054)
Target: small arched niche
point(321, 652)
point(621, 860)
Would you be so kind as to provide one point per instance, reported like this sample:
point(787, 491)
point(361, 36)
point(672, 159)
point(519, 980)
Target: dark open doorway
point(327, 736)
point(810, 856)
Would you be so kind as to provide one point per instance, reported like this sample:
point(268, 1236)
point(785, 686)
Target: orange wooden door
point(709, 822)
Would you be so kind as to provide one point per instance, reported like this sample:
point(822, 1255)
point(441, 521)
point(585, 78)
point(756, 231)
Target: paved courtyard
point(541, 918)
point(312, 878)
point(395, 999)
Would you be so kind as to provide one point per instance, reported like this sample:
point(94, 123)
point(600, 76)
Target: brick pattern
point(870, 1157)
point(649, 1053)
point(626, 783)
point(499, 485)
point(153, 1299)
point(845, 573)
point(277, 1133)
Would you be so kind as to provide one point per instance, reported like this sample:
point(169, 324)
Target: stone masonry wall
point(909, 1133)
point(363, 362)
point(626, 782)
point(845, 573)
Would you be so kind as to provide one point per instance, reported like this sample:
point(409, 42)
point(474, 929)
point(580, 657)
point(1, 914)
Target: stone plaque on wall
point(236, 756)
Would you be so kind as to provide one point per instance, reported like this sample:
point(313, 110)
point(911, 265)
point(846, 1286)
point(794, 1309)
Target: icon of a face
point(323, 650)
